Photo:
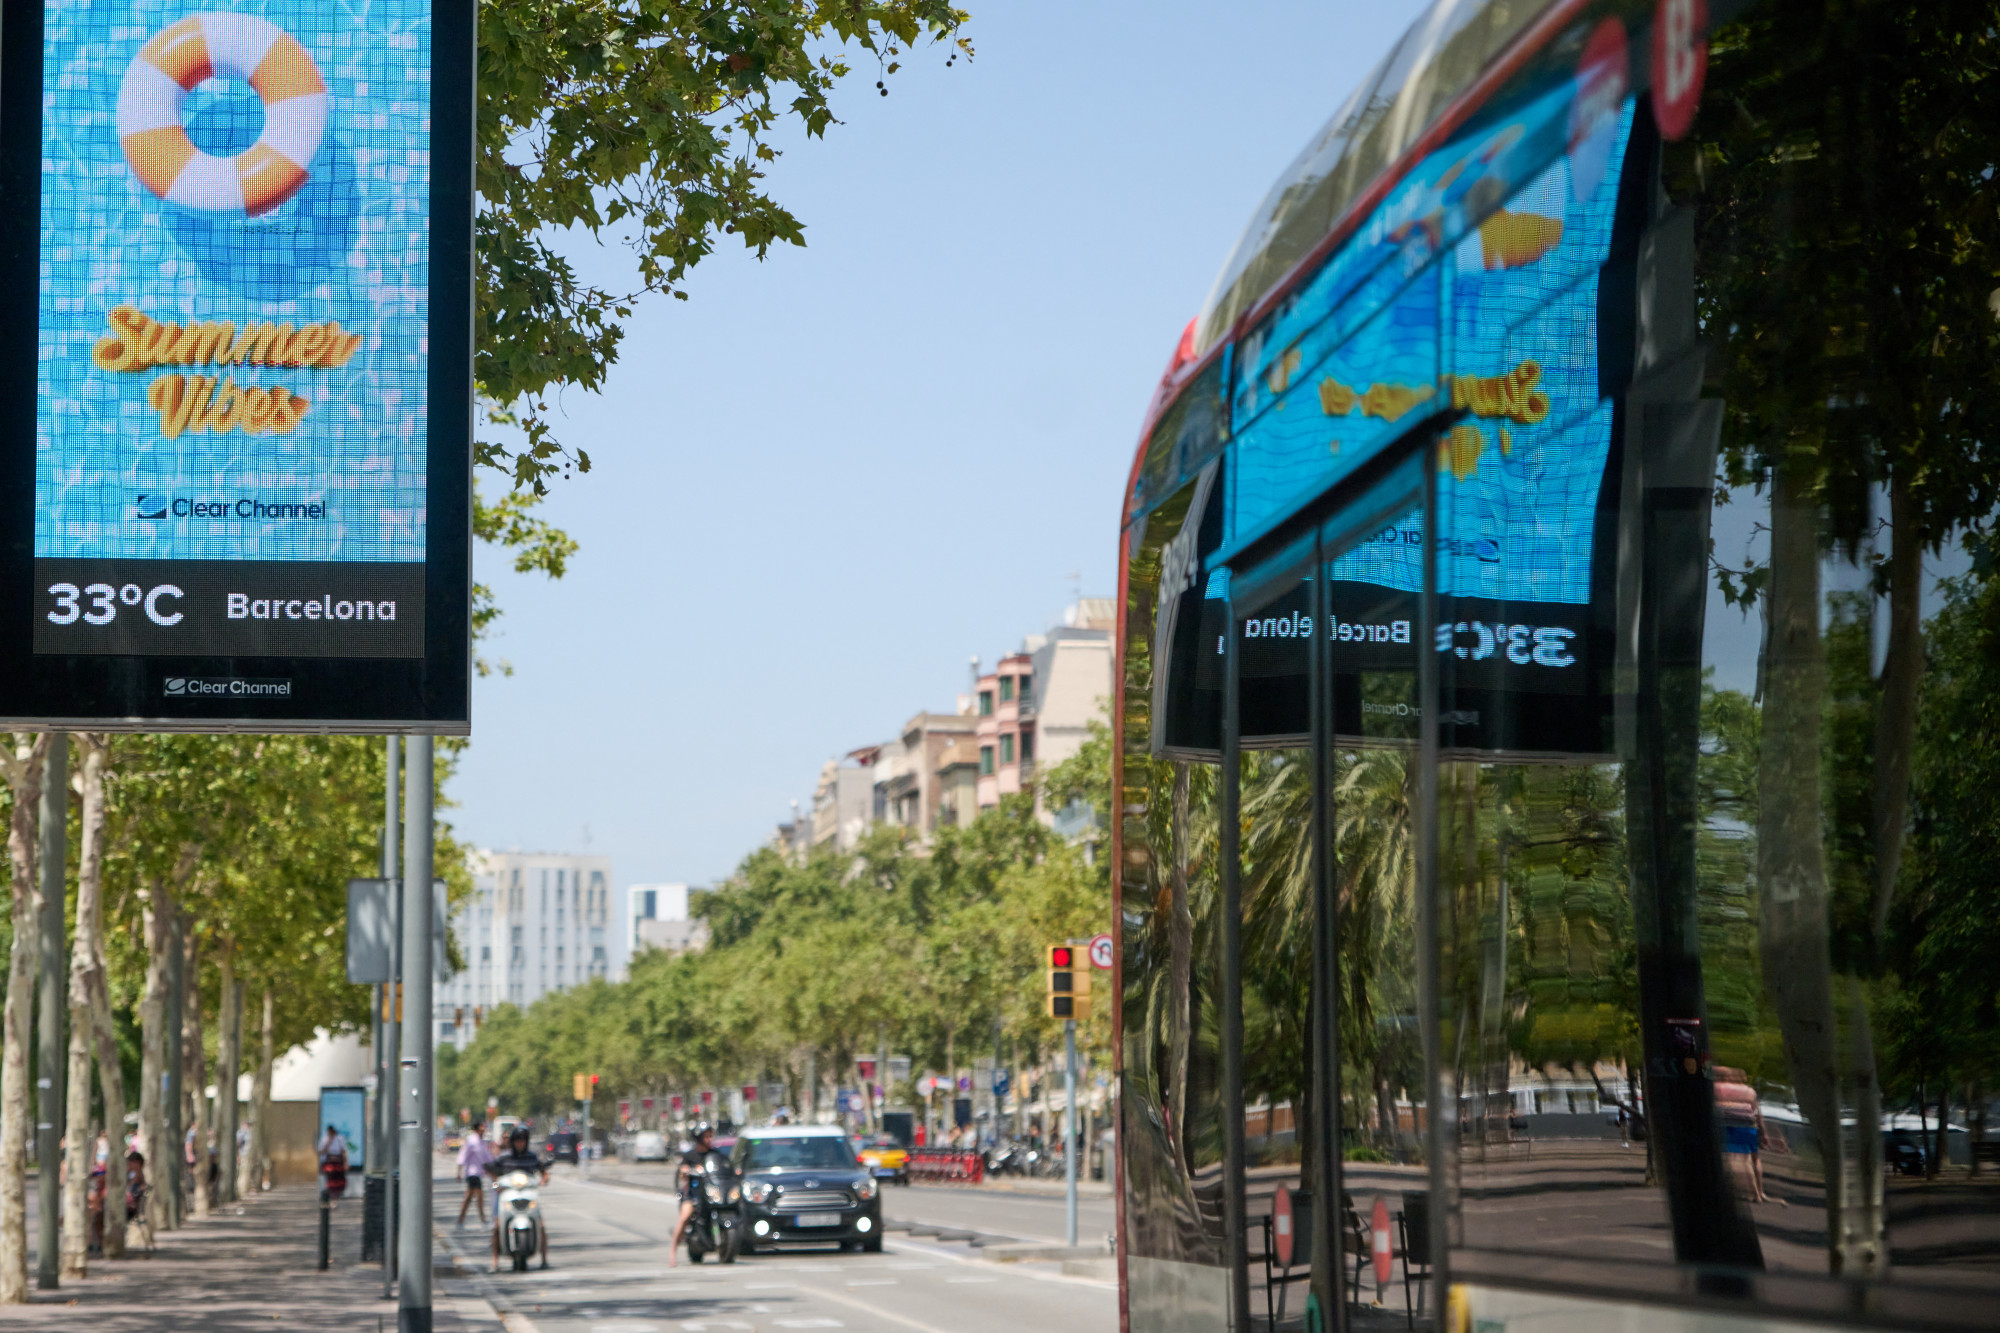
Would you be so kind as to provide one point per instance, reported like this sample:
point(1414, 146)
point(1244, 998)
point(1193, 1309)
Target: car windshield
point(763, 1154)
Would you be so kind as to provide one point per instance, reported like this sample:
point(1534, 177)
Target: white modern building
point(537, 923)
point(656, 917)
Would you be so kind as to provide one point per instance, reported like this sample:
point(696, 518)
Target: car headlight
point(865, 1188)
point(757, 1191)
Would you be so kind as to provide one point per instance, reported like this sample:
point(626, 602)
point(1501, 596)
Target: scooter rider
point(518, 1157)
point(692, 1165)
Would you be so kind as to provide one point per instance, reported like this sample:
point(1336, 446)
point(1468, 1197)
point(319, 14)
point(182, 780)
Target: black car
point(802, 1183)
point(562, 1146)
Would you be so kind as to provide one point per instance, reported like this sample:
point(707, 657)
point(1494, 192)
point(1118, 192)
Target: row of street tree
point(930, 949)
point(205, 885)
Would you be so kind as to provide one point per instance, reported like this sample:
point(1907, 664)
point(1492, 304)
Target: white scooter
point(519, 1218)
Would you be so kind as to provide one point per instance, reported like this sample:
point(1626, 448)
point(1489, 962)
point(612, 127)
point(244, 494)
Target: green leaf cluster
point(648, 122)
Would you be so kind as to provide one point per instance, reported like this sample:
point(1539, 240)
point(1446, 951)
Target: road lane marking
point(1020, 1269)
point(856, 1303)
point(962, 1281)
point(873, 1282)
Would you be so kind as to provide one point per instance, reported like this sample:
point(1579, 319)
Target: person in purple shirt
point(472, 1160)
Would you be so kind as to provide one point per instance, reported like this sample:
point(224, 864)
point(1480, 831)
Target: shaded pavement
point(252, 1265)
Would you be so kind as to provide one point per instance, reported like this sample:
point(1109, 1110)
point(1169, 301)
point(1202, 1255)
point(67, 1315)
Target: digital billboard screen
point(236, 430)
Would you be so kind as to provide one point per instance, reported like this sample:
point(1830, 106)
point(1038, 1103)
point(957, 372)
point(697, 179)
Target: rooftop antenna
point(974, 664)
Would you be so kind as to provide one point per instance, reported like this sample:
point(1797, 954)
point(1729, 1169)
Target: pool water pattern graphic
point(348, 245)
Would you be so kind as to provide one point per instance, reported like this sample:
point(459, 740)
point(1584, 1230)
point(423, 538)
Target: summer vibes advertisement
point(231, 428)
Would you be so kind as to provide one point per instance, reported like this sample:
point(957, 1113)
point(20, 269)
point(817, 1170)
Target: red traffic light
point(1060, 956)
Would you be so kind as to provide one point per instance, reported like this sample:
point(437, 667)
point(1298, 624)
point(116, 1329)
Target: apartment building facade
point(537, 923)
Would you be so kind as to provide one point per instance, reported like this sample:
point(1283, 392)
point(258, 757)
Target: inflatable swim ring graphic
point(234, 46)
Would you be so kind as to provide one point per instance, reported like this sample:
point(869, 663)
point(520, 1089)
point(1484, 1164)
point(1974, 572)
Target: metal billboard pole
point(49, 1073)
point(386, 1073)
point(413, 1113)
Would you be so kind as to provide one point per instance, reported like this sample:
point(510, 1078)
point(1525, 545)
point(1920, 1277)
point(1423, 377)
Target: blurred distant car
point(562, 1146)
point(724, 1143)
point(1903, 1154)
point(888, 1159)
point(649, 1146)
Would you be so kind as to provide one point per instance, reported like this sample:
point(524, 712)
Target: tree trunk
point(228, 1063)
point(159, 927)
point(194, 1081)
point(1896, 712)
point(1943, 1127)
point(110, 1069)
point(1180, 976)
point(256, 1171)
point(84, 956)
point(1975, 1098)
point(24, 776)
point(1791, 858)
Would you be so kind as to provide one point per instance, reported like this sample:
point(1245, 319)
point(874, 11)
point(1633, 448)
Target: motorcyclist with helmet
point(693, 1163)
point(518, 1157)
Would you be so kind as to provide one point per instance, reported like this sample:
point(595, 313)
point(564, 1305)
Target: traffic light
point(1069, 984)
point(582, 1087)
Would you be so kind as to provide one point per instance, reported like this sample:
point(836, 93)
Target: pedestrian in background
point(472, 1160)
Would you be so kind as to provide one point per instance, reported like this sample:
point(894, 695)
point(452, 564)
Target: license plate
point(885, 1170)
point(816, 1220)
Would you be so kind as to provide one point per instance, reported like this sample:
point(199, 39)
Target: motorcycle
point(1008, 1159)
point(519, 1218)
point(712, 1228)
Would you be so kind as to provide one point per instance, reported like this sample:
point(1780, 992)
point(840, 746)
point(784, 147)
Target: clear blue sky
point(826, 480)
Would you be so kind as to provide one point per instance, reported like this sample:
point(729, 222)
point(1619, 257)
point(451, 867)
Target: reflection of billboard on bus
point(1522, 496)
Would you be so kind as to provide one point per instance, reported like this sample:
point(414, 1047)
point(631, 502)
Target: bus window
point(1171, 1129)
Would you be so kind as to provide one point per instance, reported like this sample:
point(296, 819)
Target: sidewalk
point(233, 1272)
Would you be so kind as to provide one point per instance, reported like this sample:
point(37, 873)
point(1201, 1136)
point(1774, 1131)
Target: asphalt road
point(1028, 1217)
point(609, 1274)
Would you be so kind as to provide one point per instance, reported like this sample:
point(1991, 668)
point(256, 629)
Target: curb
point(499, 1308)
point(1017, 1253)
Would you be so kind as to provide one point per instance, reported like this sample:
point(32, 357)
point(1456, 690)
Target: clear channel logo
point(226, 687)
point(241, 509)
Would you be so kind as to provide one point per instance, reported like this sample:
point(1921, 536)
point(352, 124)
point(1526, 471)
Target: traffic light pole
point(1069, 1131)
